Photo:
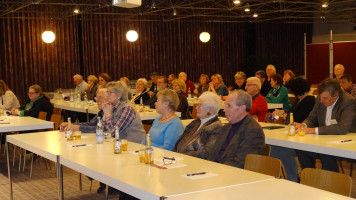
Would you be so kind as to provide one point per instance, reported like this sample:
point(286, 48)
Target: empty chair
point(327, 180)
point(265, 165)
point(56, 118)
point(42, 115)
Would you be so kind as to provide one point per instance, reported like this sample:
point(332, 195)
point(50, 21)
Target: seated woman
point(36, 103)
point(197, 133)
point(118, 112)
point(203, 86)
point(167, 128)
point(127, 82)
point(92, 87)
point(141, 91)
point(218, 87)
point(240, 81)
point(301, 109)
point(278, 93)
point(8, 99)
point(179, 87)
point(104, 79)
point(287, 75)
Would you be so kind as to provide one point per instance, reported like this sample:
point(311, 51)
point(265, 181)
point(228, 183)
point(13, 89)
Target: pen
point(194, 174)
point(343, 141)
point(79, 145)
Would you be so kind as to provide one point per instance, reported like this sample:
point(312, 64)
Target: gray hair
point(101, 90)
point(256, 81)
point(330, 85)
point(211, 100)
point(243, 98)
point(340, 65)
point(273, 68)
point(144, 81)
point(169, 96)
point(78, 76)
point(120, 89)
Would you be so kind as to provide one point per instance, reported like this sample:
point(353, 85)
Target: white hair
point(211, 100)
point(256, 81)
point(144, 81)
point(273, 68)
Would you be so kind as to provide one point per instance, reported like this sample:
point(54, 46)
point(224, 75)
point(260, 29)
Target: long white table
point(148, 114)
point(266, 190)
point(194, 101)
point(17, 123)
point(125, 172)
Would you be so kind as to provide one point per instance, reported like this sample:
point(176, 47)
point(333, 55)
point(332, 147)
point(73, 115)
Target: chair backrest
point(267, 151)
point(279, 121)
point(147, 127)
point(327, 180)
point(264, 165)
point(57, 111)
point(56, 118)
point(42, 115)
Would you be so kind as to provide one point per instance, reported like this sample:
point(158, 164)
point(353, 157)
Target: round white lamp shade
point(131, 36)
point(48, 36)
point(204, 37)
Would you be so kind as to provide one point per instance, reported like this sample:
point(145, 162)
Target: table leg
point(9, 169)
point(87, 115)
point(60, 179)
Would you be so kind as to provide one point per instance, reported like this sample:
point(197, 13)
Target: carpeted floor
point(43, 184)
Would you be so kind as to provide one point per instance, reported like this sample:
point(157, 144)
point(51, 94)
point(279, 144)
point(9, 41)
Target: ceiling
point(284, 11)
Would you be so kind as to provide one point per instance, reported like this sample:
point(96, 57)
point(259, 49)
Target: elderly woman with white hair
point(197, 133)
point(141, 91)
point(118, 112)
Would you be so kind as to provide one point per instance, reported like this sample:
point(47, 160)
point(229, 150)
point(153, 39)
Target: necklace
point(164, 119)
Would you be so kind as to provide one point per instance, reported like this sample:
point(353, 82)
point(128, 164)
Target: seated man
point(265, 85)
point(162, 83)
point(189, 84)
point(241, 136)
point(90, 127)
point(259, 104)
point(333, 114)
point(347, 85)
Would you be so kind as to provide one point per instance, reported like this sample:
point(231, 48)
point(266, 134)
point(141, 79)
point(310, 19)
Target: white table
point(126, 173)
point(275, 106)
point(194, 101)
point(17, 123)
point(266, 190)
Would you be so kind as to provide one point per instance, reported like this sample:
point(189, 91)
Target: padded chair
point(56, 119)
point(265, 165)
point(327, 180)
point(42, 115)
point(147, 127)
point(267, 150)
point(57, 111)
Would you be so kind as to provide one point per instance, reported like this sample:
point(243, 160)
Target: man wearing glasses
point(259, 104)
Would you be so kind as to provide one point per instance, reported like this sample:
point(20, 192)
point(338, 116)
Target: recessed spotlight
point(325, 5)
point(255, 15)
point(76, 11)
point(236, 2)
point(247, 8)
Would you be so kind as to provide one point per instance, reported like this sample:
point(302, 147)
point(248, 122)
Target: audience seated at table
point(266, 86)
point(197, 133)
point(347, 85)
point(170, 78)
point(339, 70)
point(89, 127)
point(80, 84)
point(241, 136)
point(278, 93)
point(154, 78)
point(162, 83)
point(203, 86)
point(179, 87)
point(8, 99)
point(92, 87)
point(127, 83)
point(167, 128)
point(189, 84)
point(333, 114)
point(36, 103)
point(118, 112)
point(218, 87)
point(287, 75)
point(141, 91)
point(104, 79)
point(301, 109)
point(259, 104)
point(240, 81)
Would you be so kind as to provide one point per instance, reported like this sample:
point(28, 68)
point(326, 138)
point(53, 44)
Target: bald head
point(182, 76)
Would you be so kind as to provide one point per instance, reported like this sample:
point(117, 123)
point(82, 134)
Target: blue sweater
point(165, 135)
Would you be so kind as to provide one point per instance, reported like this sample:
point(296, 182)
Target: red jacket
point(259, 107)
point(188, 85)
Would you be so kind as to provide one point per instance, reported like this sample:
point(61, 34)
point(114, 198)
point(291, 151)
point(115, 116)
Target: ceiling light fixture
point(236, 2)
point(174, 12)
point(247, 9)
point(76, 11)
point(204, 37)
point(325, 5)
point(153, 5)
point(48, 37)
point(255, 15)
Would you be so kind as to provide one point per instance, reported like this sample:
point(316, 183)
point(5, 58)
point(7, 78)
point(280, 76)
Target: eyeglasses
point(168, 160)
point(109, 92)
point(248, 85)
point(31, 93)
point(202, 106)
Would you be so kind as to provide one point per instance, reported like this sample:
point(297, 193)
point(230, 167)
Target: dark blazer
point(248, 139)
point(91, 93)
point(344, 112)
point(196, 139)
point(144, 95)
point(183, 105)
point(42, 104)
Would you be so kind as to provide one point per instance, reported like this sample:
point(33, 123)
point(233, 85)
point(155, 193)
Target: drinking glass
point(124, 144)
point(301, 130)
point(106, 136)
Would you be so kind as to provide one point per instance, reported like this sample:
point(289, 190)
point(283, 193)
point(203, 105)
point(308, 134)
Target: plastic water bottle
point(99, 132)
point(189, 94)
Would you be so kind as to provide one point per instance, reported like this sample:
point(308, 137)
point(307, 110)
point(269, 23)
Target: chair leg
point(80, 181)
point(14, 157)
point(20, 160)
point(31, 166)
point(107, 192)
point(24, 161)
point(342, 168)
point(91, 184)
point(351, 167)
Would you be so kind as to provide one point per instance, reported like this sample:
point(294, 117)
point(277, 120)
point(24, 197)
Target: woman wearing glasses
point(118, 112)
point(197, 133)
point(37, 102)
point(167, 128)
